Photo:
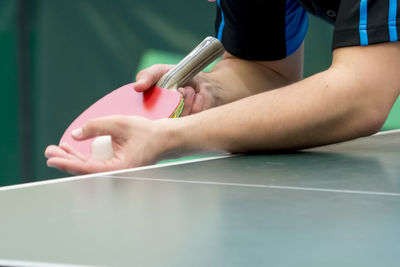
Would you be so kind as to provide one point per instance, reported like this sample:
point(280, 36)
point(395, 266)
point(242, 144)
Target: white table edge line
point(81, 177)
point(387, 132)
point(21, 263)
point(283, 187)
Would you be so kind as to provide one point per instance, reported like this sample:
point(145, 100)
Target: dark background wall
point(9, 145)
point(58, 57)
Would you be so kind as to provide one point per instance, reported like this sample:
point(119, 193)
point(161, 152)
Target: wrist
point(169, 137)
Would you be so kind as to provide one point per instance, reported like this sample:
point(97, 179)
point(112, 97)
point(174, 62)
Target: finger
point(57, 163)
point(111, 125)
point(77, 167)
point(195, 82)
point(150, 76)
point(66, 165)
point(198, 104)
point(54, 151)
point(69, 149)
point(188, 94)
point(57, 152)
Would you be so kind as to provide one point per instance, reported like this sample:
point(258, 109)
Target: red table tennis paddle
point(161, 101)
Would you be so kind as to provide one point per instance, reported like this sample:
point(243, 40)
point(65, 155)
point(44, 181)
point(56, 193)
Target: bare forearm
point(319, 110)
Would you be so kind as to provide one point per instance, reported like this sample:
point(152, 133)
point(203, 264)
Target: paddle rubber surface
point(156, 103)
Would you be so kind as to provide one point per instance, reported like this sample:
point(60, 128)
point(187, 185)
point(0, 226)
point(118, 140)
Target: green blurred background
point(58, 57)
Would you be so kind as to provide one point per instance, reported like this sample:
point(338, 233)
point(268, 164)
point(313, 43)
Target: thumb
point(112, 125)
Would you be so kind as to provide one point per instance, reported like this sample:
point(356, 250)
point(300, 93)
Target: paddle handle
point(200, 57)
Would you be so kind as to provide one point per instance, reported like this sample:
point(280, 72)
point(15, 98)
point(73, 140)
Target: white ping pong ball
point(102, 148)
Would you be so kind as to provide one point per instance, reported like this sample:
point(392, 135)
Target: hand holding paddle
point(195, 92)
point(160, 101)
point(73, 152)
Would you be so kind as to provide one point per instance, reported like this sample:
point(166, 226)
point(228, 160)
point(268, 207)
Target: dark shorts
point(274, 29)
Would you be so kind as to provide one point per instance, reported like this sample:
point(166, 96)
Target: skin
point(242, 111)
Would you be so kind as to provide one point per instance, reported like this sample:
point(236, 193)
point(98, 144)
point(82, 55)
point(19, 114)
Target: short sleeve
point(261, 29)
point(365, 22)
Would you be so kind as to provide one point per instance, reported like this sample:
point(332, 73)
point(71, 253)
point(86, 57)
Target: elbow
point(373, 120)
point(373, 125)
point(370, 106)
point(373, 109)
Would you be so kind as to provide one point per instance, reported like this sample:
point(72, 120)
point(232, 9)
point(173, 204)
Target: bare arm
point(351, 99)
point(138, 142)
point(231, 79)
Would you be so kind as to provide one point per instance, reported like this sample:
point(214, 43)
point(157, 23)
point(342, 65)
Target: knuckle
point(89, 126)
point(157, 66)
point(162, 67)
point(139, 74)
point(120, 121)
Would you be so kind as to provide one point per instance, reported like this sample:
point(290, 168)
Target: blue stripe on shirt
point(222, 25)
point(363, 22)
point(392, 20)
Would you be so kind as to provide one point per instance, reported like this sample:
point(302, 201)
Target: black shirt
point(274, 29)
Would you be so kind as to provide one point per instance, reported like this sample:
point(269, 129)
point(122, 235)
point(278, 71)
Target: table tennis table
point(337, 205)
